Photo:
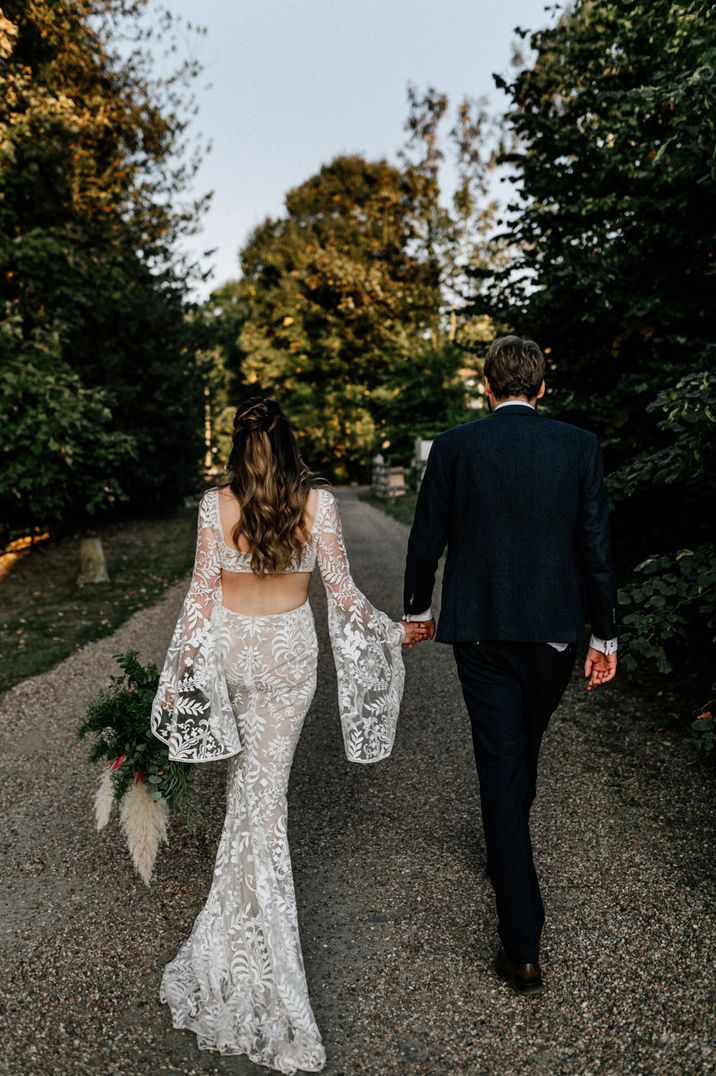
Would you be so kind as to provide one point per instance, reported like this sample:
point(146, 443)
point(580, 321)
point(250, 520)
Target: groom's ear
point(488, 395)
point(542, 390)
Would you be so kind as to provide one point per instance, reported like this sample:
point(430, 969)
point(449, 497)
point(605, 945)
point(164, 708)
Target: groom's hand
point(599, 668)
point(416, 631)
point(428, 629)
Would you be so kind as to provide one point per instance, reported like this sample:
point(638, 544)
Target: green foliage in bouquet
point(119, 720)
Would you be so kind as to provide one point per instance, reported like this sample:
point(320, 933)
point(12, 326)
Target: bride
point(239, 676)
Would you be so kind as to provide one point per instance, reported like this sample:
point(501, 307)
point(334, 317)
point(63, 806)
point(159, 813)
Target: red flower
point(118, 761)
point(139, 778)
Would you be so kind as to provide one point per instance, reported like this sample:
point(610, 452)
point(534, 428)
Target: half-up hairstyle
point(271, 482)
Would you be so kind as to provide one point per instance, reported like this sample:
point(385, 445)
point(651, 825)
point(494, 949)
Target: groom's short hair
point(514, 366)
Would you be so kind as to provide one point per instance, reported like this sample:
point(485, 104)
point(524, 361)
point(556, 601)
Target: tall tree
point(455, 232)
point(615, 210)
point(93, 165)
point(349, 307)
point(613, 229)
point(340, 308)
point(219, 323)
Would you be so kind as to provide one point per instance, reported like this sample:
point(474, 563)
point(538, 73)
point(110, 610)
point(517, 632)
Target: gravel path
point(396, 916)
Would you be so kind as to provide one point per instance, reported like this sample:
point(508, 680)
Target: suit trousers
point(511, 690)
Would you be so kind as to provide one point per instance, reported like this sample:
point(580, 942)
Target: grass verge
point(45, 616)
point(402, 509)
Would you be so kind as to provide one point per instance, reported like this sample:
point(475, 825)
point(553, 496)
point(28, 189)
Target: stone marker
point(93, 566)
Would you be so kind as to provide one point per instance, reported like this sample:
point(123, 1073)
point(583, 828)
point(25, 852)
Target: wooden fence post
point(388, 482)
point(420, 459)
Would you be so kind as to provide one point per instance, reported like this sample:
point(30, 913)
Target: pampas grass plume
point(144, 823)
point(103, 800)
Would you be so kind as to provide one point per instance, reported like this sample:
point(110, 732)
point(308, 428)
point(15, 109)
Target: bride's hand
point(415, 632)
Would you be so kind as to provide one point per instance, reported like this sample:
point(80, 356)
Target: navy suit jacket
point(519, 500)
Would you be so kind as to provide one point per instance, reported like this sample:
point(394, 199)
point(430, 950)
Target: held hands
point(416, 631)
point(599, 668)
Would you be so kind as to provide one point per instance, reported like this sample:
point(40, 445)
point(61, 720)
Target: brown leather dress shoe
point(524, 978)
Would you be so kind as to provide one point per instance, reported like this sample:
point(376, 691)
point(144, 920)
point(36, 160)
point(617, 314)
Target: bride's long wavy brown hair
point(271, 483)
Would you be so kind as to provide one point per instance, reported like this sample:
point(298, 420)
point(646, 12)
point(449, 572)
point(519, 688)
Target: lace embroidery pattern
point(192, 712)
point(239, 687)
point(238, 981)
point(366, 647)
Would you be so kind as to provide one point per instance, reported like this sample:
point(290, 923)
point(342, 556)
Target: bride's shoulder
point(207, 505)
point(325, 497)
point(320, 499)
point(220, 495)
point(209, 498)
point(317, 494)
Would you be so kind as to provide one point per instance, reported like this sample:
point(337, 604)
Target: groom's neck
point(497, 401)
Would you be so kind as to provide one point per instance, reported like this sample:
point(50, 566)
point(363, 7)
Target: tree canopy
point(340, 315)
point(347, 305)
point(612, 271)
point(99, 391)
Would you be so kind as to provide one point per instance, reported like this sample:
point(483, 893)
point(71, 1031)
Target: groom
point(519, 500)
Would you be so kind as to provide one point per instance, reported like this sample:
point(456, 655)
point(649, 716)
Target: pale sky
point(290, 84)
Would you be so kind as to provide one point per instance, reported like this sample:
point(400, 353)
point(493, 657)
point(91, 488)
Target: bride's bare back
point(260, 595)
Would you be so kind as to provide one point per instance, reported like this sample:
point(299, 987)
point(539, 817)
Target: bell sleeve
point(191, 711)
point(366, 646)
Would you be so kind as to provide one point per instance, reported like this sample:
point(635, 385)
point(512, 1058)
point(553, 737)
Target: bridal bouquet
point(137, 773)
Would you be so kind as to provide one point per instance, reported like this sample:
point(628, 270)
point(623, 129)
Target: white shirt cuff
point(427, 615)
point(605, 646)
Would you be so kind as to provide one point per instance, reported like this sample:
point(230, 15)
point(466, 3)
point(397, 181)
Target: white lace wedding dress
point(238, 687)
